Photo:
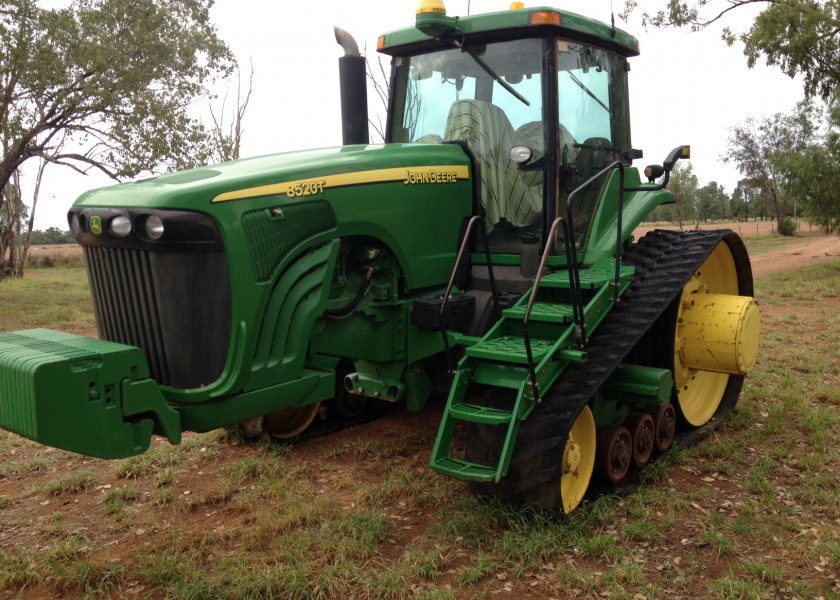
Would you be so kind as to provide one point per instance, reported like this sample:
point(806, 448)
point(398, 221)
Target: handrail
point(464, 243)
point(574, 269)
point(577, 311)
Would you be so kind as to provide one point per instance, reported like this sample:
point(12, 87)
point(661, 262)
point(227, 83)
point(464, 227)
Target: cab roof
point(543, 20)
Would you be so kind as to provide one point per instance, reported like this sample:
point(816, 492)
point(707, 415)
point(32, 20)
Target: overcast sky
point(686, 88)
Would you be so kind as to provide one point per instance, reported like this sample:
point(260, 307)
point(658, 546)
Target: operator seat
point(489, 135)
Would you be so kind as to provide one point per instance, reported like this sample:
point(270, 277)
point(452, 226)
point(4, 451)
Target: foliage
point(684, 184)
point(801, 37)
point(114, 76)
point(52, 235)
point(712, 202)
point(787, 227)
point(105, 84)
point(761, 149)
point(813, 175)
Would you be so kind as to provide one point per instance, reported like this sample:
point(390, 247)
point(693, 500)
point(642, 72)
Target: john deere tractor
point(484, 251)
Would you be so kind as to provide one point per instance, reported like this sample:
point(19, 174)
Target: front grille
point(175, 306)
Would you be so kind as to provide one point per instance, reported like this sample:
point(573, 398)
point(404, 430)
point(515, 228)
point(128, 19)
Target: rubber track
point(664, 261)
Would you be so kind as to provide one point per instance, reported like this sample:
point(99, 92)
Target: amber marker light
point(545, 17)
point(380, 43)
point(517, 5)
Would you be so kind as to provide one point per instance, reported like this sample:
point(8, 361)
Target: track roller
point(664, 427)
point(643, 431)
point(614, 453)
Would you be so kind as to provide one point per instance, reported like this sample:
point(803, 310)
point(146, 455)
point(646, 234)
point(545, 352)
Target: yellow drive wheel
point(578, 460)
point(715, 336)
point(289, 423)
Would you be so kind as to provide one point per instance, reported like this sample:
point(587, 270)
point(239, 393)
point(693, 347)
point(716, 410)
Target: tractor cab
point(538, 107)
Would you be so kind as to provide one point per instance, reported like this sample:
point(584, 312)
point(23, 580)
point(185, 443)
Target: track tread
point(664, 261)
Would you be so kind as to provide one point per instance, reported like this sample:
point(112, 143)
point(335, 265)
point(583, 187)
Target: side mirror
point(653, 172)
point(676, 154)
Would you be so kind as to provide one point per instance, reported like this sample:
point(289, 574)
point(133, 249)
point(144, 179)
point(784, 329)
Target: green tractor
point(484, 251)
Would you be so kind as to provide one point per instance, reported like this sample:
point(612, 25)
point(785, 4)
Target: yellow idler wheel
point(289, 423)
point(716, 336)
point(578, 460)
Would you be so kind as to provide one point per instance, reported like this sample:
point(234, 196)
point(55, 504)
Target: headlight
point(73, 219)
point(520, 154)
point(120, 226)
point(154, 227)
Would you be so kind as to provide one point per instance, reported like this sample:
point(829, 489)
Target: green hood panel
point(398, 194)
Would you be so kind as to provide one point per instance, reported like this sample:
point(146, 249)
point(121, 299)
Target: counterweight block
point(81, 394)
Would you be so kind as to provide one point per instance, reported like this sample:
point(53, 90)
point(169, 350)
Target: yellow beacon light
point(431, 19)
point(517, 5)
point(431, 6)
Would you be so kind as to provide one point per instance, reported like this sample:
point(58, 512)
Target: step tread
point(480, 414)
point(590, 279)
point(464, 470)
point(510, 349)
point(547, 312)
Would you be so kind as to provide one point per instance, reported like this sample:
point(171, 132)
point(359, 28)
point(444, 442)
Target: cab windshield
point(488, 96)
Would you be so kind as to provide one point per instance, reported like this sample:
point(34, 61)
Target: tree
point(105, 84)
point(802, 37)
point(747, 201)
point(813, 175)
point(226, 138)
point(683, 183)
point(712, 202)
point(761, 150)
point(12, 218)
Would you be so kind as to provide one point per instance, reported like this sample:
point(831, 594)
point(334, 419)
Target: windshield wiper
point(496, 78)
point(582, 86)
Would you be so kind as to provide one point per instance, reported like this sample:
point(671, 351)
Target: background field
point(751, 512)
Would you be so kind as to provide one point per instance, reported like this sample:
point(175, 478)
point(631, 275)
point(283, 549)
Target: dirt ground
point(28, 518)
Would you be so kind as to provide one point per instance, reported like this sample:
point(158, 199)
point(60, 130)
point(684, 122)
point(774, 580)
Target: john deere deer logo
point(96, 225)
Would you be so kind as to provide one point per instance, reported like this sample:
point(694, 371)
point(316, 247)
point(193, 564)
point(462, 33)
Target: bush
point(787, 226)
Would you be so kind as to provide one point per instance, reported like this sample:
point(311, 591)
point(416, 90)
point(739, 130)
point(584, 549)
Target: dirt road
point(810, 251)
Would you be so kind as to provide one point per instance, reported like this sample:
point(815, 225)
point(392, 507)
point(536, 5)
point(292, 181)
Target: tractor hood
point(263, 176)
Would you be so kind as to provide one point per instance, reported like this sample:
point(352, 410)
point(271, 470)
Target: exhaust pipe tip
point(347, 42)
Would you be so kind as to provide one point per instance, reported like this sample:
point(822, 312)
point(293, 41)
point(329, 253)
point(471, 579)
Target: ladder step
point(590, 279)
point(499, 374)
point(545, 312)
point(463, 470)
point(509, 349)
point(480, 414)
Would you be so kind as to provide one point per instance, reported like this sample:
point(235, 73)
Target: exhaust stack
point(353, 82)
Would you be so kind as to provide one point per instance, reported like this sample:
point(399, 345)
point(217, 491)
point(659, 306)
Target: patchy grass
point(767, 242)
point(57, 298)
point(752, 511)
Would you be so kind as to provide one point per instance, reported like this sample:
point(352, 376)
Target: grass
point(71, 484)
point(767, 242)
point(753, 511)
point(58, 298)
